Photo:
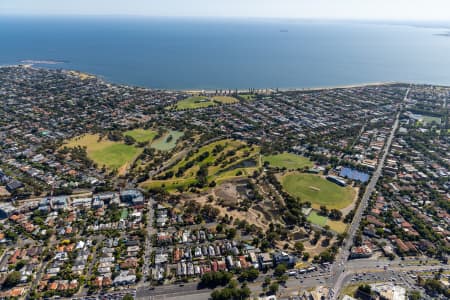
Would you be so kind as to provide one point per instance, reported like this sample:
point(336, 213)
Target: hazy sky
point(335, 9)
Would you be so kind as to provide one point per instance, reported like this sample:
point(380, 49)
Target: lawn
point(90, 141)
point(114, 155)
point(124, 214)
point(234, 160)
point(248, 97)
point(337, 226)
point(316, 219)
point(289, 161)
point(202, 102)
point(225, 99)
point(165, 143)
point(141, 135)
point(430, 119)
point(318, 190)
point(194, 102)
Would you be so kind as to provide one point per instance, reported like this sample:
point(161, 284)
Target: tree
point(326, 256)
point(249, 274)
point(273, 288)
point(414, 295)
point(20, 264)
point(335, 214)
point(306, 256)
point(365, 289)
point(299, 247)
point(231, 233)
point(214, 279)
point(433, 286)
point(323, 210)
point(12, 279)
point(129, 140)
point(357, 239)
point(128, 297)
point(280, 270)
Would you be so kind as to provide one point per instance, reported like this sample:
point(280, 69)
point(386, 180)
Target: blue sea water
point(209, 54)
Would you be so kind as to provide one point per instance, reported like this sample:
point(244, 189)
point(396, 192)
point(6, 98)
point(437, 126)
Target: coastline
point(345, 86)
point(258, 90)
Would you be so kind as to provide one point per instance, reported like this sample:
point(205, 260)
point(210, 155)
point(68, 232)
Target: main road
point(373, 270)
point(338, 268)
point(150, 231)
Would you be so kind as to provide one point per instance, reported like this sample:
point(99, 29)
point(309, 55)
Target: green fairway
point(141, 135)
point(316, 219)
point(224, 160)
point(286, 160)
point(318, 190)
point(115, 156)
point(168, 141)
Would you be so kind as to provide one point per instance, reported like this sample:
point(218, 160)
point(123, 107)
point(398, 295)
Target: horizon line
point(229, 17)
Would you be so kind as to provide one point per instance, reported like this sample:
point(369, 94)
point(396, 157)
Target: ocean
point(173, 53)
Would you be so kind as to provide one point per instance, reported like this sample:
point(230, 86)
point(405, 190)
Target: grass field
point(337, 226)
point(202, 102)
point(248, 97)
point(225, 99)
point(430, 119)
point(141, 135)
point(114, 155)
point(316, 219)
point(318, 190)
point(194, 102)
point(228, 163)
point(286, 160)
point(165, 144)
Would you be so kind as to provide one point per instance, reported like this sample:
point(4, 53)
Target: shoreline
point(242, 91)
point(306, 89)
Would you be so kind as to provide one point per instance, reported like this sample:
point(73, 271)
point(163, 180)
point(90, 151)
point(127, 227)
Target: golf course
point(222, 160)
